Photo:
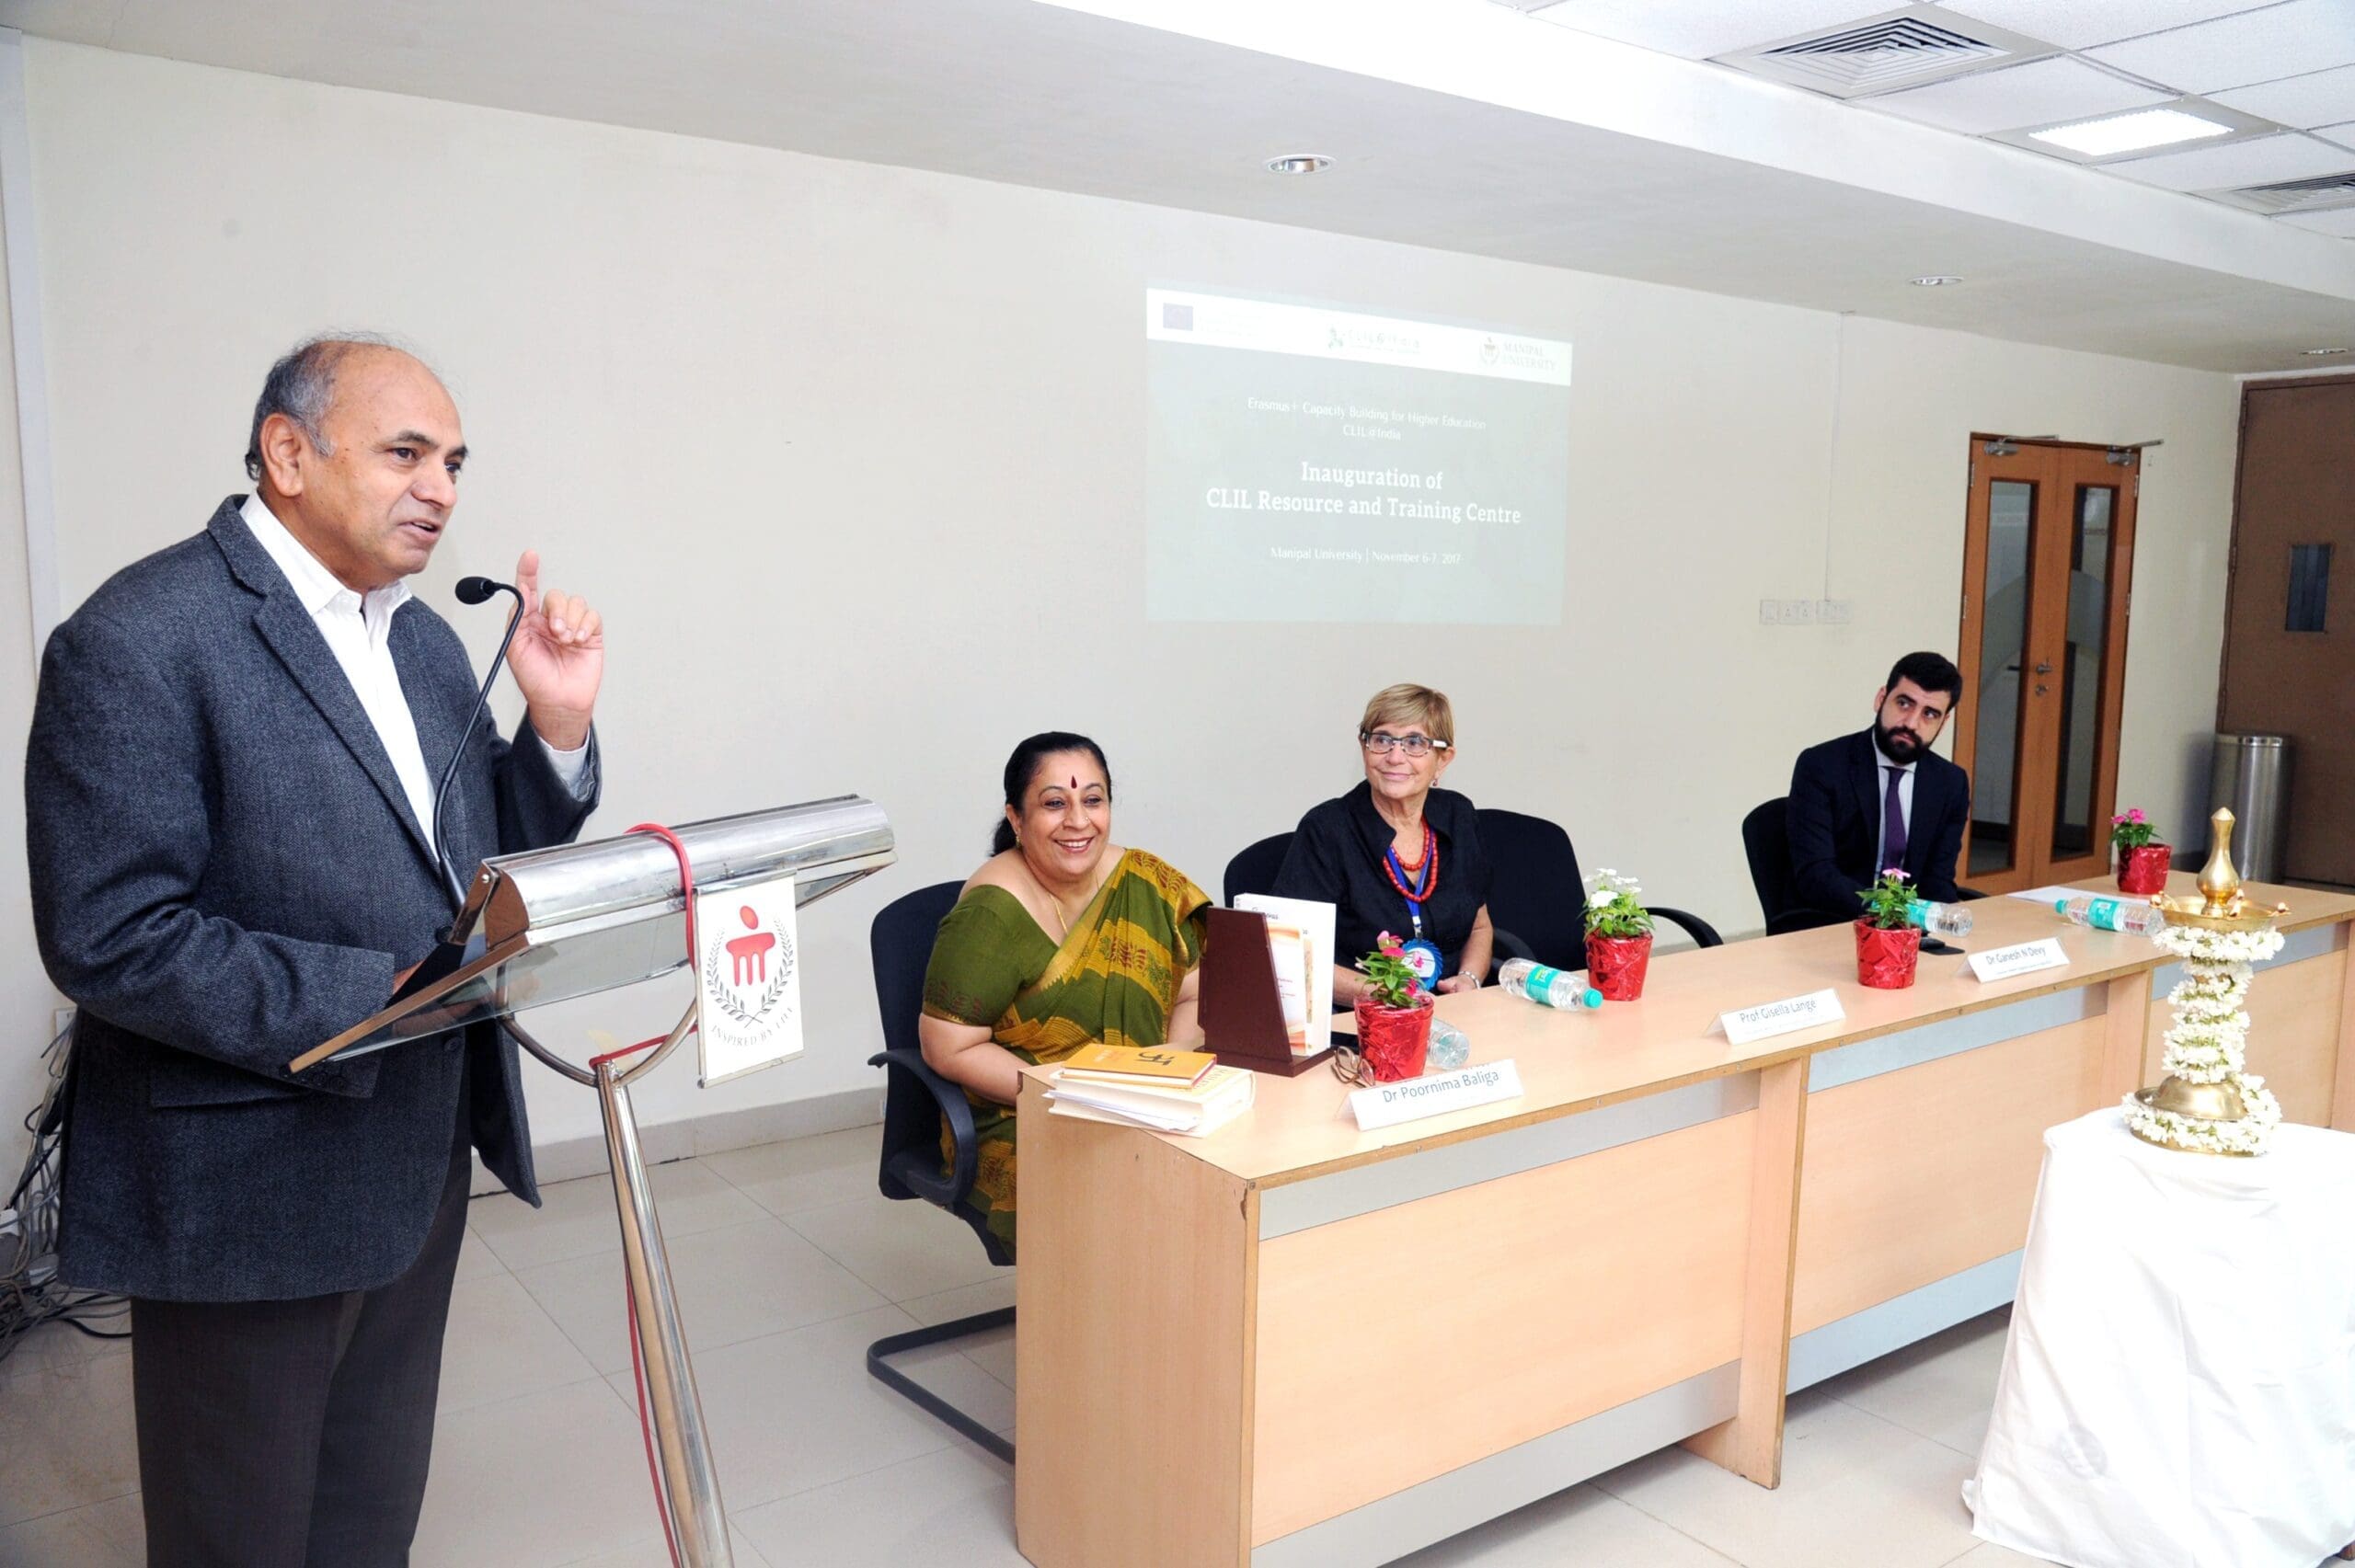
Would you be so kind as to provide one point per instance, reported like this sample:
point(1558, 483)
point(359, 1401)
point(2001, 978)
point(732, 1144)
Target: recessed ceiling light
point(2318, 353)
point(1299, 163)
point(2138, 132)
point(1936, 280)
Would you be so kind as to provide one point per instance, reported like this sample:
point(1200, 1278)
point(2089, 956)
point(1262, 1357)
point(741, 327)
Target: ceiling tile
point(2043, 92)
point(2234, 51)
point(1699, 29)
point(2341, 222)
point(2081, 24)
point(2343, 135)
point(2269, 158)
point(2319, 98)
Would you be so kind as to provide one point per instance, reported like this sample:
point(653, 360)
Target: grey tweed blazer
point(225, 872)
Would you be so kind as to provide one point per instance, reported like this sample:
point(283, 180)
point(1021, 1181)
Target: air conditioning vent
point(1902, 49)
point(2319, 194)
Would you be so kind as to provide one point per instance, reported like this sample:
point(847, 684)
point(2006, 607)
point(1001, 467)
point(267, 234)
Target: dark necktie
point(1892, 824)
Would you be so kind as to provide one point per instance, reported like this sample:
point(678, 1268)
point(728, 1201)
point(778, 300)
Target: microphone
point(471, 590)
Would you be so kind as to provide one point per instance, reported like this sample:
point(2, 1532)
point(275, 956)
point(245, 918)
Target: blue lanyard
point(1418, 884)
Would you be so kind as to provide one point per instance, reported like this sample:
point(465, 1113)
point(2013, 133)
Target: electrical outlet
point(1770, 612)
point(1836, 612)
point(60, 1021)
point(1798, 612)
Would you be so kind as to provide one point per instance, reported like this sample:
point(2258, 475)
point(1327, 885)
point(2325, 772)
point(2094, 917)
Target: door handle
point(2044, 669)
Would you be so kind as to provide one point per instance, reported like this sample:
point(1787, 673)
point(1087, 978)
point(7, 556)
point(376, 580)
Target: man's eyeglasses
point(1380, 744)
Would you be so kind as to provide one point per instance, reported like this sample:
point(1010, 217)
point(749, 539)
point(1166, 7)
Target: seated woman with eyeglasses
point(1059, 939)
point(1397, 853)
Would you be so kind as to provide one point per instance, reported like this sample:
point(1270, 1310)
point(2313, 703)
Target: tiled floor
point(787, 1263)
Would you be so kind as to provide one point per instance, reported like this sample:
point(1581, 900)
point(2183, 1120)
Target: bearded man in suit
point(1881, 798)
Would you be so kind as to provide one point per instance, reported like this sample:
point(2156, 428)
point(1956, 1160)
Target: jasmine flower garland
point(2209, 1041)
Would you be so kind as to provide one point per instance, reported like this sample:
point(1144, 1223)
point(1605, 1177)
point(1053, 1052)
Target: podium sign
point(748, 982)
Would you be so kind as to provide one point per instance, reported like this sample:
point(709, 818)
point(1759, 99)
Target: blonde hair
point(1410, 705)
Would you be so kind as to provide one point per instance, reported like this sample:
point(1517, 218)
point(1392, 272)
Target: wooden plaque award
point(1242, 1013)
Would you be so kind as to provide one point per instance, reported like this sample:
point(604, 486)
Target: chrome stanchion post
point(690, 1483)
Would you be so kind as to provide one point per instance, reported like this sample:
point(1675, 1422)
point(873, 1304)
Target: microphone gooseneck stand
point(470, 591)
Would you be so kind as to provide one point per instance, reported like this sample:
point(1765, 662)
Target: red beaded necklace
point(1425, 885)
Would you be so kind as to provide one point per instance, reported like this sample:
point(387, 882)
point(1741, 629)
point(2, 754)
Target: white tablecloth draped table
point(2178, 1387)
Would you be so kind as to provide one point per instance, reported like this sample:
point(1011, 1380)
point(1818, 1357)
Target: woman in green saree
point(1059, 939)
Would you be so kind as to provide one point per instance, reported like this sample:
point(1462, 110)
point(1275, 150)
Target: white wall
point(875, 436)
point(27, 1000)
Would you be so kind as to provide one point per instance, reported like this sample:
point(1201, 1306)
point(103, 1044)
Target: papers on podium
point(1220, 1095)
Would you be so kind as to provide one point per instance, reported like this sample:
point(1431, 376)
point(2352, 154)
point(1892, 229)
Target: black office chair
point(1537, 899)
point(1766, 845)
point(915, 1098)
point(1254, 870)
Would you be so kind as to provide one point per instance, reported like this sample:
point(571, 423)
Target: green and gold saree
point(1114, 978)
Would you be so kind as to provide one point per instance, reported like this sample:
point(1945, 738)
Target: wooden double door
point(2047, 577)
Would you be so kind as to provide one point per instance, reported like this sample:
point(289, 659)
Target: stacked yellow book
point(1180, 1092)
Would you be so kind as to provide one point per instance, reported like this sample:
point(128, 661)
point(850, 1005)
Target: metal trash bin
point(2250, 774)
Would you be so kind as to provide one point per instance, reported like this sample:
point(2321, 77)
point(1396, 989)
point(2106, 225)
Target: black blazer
point(1336, 858)
point(225, 872)
point(1835, 815)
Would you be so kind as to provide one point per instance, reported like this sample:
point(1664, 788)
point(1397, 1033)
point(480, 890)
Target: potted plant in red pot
point(1393, 1013)
point(1618, 936)
point(2141, 857)
point(1888, 943)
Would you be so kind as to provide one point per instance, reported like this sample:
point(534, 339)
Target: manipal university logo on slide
point(1311, 464)
point(747, 978)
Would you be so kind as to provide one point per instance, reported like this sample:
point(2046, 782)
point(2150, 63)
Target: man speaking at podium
point(230, 802)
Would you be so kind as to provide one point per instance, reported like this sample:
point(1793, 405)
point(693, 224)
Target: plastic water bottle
point(1939, 919)
point(2132, 916)
point(1547, 988)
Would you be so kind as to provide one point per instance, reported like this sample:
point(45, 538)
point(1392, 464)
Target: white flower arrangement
point(2248, 1135)
point(1614, 906)
point(2209, 1041)
point(1608, 887)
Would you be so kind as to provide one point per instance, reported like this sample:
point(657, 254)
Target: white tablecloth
point(2178, 1388)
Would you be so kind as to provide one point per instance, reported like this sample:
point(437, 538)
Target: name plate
point(2025, 959)
point(1768, 1018)
point(1387, 1104)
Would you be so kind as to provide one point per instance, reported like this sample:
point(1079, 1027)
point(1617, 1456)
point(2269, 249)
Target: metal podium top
point(548, 925)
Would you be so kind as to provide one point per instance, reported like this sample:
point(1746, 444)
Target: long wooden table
point(1293, 1343)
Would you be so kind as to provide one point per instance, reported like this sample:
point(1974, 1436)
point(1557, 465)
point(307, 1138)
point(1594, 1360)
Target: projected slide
point(1315, 464)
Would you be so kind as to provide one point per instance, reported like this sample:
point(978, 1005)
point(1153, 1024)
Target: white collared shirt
point(359, 629)
point(1881, 764)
